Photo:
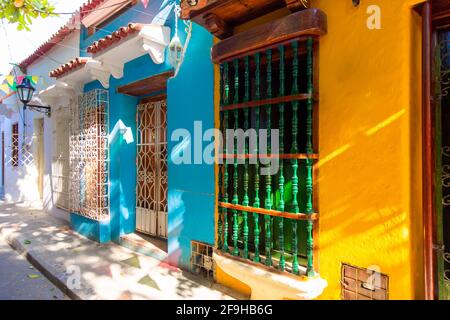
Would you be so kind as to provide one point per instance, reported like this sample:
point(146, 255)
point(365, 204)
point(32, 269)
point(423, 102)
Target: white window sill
point(266, 285)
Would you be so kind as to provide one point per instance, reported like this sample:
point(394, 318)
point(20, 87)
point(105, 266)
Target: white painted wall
point(21, 183)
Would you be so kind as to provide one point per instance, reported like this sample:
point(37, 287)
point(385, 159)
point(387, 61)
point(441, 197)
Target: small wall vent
point(202, 262)
point(363, 284)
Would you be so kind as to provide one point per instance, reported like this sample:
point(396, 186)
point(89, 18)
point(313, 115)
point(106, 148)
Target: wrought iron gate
point(89, 155)
point(151, 162)
point(443, 163)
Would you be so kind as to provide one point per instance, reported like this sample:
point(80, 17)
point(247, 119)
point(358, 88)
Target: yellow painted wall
point(370, 146)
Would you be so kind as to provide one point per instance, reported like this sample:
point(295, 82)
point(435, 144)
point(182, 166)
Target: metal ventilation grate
point(363, 284)
point(202, 262)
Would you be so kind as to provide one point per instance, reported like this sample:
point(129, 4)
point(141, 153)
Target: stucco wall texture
point(369, 172)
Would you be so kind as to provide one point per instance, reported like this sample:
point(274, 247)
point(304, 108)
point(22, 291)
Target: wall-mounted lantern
point(25, 92)
point(177, 50)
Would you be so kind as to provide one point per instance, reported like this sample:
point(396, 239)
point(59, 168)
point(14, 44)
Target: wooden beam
point(146, 86)
point(310, 22)
point(284, 156)
point(230, 13)
point(270, 101)
point(218, 27)
point(268, 212)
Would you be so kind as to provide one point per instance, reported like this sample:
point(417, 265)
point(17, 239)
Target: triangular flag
point(10, 80)
point(34, 79)
point(19, 80)
point(145, 3)
point(5, 88)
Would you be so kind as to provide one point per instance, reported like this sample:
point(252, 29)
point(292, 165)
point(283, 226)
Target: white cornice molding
point(98, 72)
point(153, 40)
point(92, 70)
point(58, 94)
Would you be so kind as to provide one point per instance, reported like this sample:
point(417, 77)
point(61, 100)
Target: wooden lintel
point(310, 22)
point(148, 85)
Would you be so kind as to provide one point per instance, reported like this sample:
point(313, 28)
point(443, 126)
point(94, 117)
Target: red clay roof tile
point(72, 65)
point(114, 37)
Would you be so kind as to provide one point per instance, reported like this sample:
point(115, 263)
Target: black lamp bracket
point(42, 109)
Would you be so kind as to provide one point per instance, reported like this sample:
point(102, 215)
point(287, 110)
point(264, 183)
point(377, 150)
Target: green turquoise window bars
point(269, 219)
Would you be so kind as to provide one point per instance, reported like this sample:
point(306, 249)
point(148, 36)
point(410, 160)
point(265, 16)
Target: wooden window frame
point(246, 44)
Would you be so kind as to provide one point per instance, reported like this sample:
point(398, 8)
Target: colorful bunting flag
point(5, 88)
point(34, 79)
point(10, 81)
point(19, 79)
point(145, 3)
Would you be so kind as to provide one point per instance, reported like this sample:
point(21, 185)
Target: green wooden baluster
point(226, 90)
point(268, 202)
point(295, 208)
point(281, 205)
point(309, 162)
point(226, 100)
point(219, 221)
point(235, 166)
point(225, 193)
point(256, 202)
point(245, 200)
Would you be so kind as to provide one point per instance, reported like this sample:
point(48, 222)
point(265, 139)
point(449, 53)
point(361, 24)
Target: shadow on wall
point(368, 223)
point(177, 210)
point(25, 184)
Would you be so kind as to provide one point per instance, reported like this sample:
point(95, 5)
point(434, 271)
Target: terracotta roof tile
point(114, 37)
point(72, 65)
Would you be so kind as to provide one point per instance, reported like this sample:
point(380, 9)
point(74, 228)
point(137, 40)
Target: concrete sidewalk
point(106, 271)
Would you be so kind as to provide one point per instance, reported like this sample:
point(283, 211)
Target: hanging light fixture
point(176, 49)
point(25, 92)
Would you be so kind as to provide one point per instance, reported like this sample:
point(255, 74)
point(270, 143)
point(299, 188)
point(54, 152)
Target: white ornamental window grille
point(89, 155)
point(21, 150)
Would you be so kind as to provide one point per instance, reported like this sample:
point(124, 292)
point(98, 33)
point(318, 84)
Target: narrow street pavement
point(84, 269)
point(19, 280)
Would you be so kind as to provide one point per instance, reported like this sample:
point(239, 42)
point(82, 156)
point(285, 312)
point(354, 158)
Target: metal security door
point(442, 140)
point(151, 187)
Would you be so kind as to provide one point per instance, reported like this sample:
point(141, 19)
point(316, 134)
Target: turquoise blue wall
point(190, 98)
